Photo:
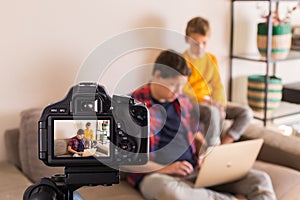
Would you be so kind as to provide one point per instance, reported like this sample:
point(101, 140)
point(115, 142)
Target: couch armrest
point(277, 148)
point(11, 138)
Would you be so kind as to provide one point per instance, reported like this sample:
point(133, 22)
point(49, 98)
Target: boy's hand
point(200, 160)
point(227, 139)
point(181, 168)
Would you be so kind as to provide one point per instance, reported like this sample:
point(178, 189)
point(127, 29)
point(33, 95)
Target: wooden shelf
point(284, 110)
point(293, 55)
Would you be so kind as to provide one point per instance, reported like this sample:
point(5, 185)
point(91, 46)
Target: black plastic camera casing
point(128, 138)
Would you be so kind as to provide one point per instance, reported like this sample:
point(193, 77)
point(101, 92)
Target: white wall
point(44, 43)
point(68, 128)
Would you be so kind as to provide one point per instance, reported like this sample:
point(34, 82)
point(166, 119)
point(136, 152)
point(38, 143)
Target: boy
point(175, 139)
point(205, 86)
point(76, 144)
point(88, 132)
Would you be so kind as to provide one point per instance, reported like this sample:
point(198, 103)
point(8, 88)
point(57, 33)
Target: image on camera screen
point(81, 138)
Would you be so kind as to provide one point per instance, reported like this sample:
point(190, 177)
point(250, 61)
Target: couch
point(279, 157)
point(61, 148)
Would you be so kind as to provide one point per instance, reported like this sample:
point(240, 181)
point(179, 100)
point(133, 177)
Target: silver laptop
point(228, 162)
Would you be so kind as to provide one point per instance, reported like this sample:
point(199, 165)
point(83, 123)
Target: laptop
point(227, 162)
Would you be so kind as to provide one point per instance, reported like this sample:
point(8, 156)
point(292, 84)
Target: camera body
point(120, 127)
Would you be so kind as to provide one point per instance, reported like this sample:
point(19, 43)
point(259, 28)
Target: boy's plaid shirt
point(183, 106)
point(73, 142)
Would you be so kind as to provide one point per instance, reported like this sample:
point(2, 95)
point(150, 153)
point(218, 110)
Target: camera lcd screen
point(82, 138)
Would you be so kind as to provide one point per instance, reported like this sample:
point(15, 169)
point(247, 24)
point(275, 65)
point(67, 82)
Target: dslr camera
point(120, 127)
point(118, 135)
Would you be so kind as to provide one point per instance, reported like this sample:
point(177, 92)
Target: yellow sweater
point(88, 134)
point(205, 79)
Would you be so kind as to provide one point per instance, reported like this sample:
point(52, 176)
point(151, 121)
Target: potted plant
point(281, 34)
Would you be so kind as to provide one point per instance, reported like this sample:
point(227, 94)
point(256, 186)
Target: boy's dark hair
point(80, 132)
point(171, 64)
point(88, 123)
point(197, 25)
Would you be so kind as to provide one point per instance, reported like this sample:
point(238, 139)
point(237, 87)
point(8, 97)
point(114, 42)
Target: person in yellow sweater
point(88, 132)
point(205, 86)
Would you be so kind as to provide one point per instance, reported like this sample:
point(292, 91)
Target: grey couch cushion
point(277, 148)
point(11, 138)
point(13, 182)
point(32, 167)
point(286, 181)
point(61, 147)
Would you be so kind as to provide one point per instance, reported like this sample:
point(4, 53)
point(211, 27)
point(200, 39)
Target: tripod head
point(62, 186)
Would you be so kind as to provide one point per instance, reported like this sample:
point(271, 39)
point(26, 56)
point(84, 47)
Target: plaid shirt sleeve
point(189, 118)
point(73, 142)
point(143, 95)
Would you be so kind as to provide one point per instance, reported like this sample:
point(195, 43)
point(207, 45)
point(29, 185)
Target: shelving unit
point(269, 62)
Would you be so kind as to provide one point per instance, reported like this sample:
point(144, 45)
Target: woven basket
point(256, 93)
point(281, 40)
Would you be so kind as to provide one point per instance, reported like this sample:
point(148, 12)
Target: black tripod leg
point(69, 192)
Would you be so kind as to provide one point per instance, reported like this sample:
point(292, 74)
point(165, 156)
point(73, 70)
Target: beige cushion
point(61, 147)
point(13, 182)
point(11, 138)
point(286, 181)
point(277, 148)
point(32, 167)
